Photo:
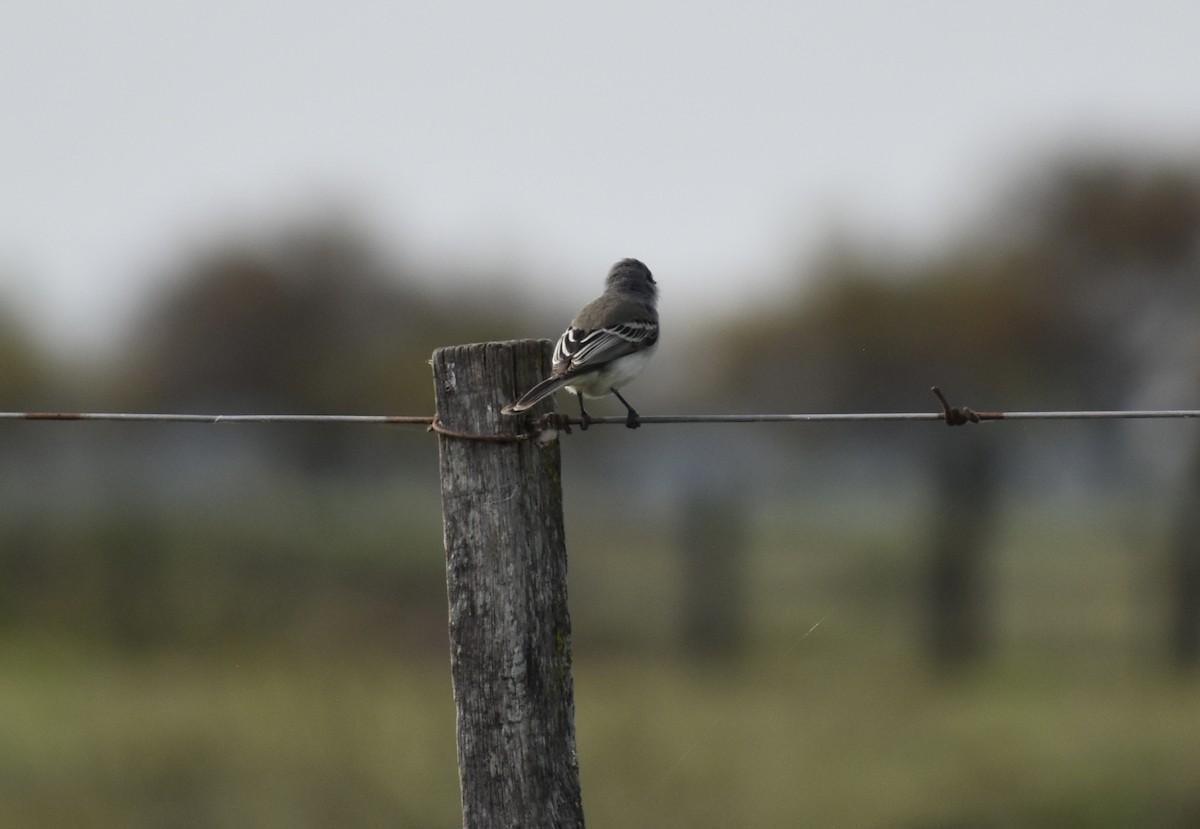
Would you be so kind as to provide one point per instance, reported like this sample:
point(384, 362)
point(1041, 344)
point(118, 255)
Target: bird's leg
point(632, 420)
point(585, 419)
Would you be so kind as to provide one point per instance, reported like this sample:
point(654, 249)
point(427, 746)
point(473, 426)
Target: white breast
point(614, 375)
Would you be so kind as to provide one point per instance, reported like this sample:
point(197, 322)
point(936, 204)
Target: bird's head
point(632, 277)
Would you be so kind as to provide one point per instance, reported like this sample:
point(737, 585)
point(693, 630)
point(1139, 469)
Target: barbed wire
point(951, 415)
point(218, 418)
point(832, 417)
point(837, 417)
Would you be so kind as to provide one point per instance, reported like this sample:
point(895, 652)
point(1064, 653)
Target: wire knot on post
point(442, 429)
point(555, 422)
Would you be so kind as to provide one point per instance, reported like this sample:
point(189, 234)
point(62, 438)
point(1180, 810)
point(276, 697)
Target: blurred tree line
point(315, 321)
point(154, 535)
point(1073, 294)
point(1080, 291)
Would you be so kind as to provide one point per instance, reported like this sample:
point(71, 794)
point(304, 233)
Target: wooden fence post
point(506, 575)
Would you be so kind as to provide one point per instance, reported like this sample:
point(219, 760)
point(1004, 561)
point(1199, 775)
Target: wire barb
point(955, 416)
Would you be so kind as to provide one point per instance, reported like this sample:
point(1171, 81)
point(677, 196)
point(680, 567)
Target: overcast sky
point(707, 139)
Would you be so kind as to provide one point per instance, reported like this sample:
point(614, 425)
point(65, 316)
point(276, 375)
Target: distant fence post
point(713, 549)
point(1185, 574)
point(966, 478)
point(506, 576)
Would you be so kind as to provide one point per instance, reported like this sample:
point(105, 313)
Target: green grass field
point(322, 717)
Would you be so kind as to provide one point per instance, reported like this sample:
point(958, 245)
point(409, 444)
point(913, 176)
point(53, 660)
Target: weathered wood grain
point(506, 572)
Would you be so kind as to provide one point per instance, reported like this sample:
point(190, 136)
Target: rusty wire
point(838, 417)
point(951, 415)
point(832, 417)
point(211, 418)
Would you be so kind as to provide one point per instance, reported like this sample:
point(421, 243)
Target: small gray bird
point(607, 344)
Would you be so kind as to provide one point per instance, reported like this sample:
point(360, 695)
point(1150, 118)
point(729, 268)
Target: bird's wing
point(580, 350)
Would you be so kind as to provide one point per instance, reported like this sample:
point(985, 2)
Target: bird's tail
point(530, 398)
